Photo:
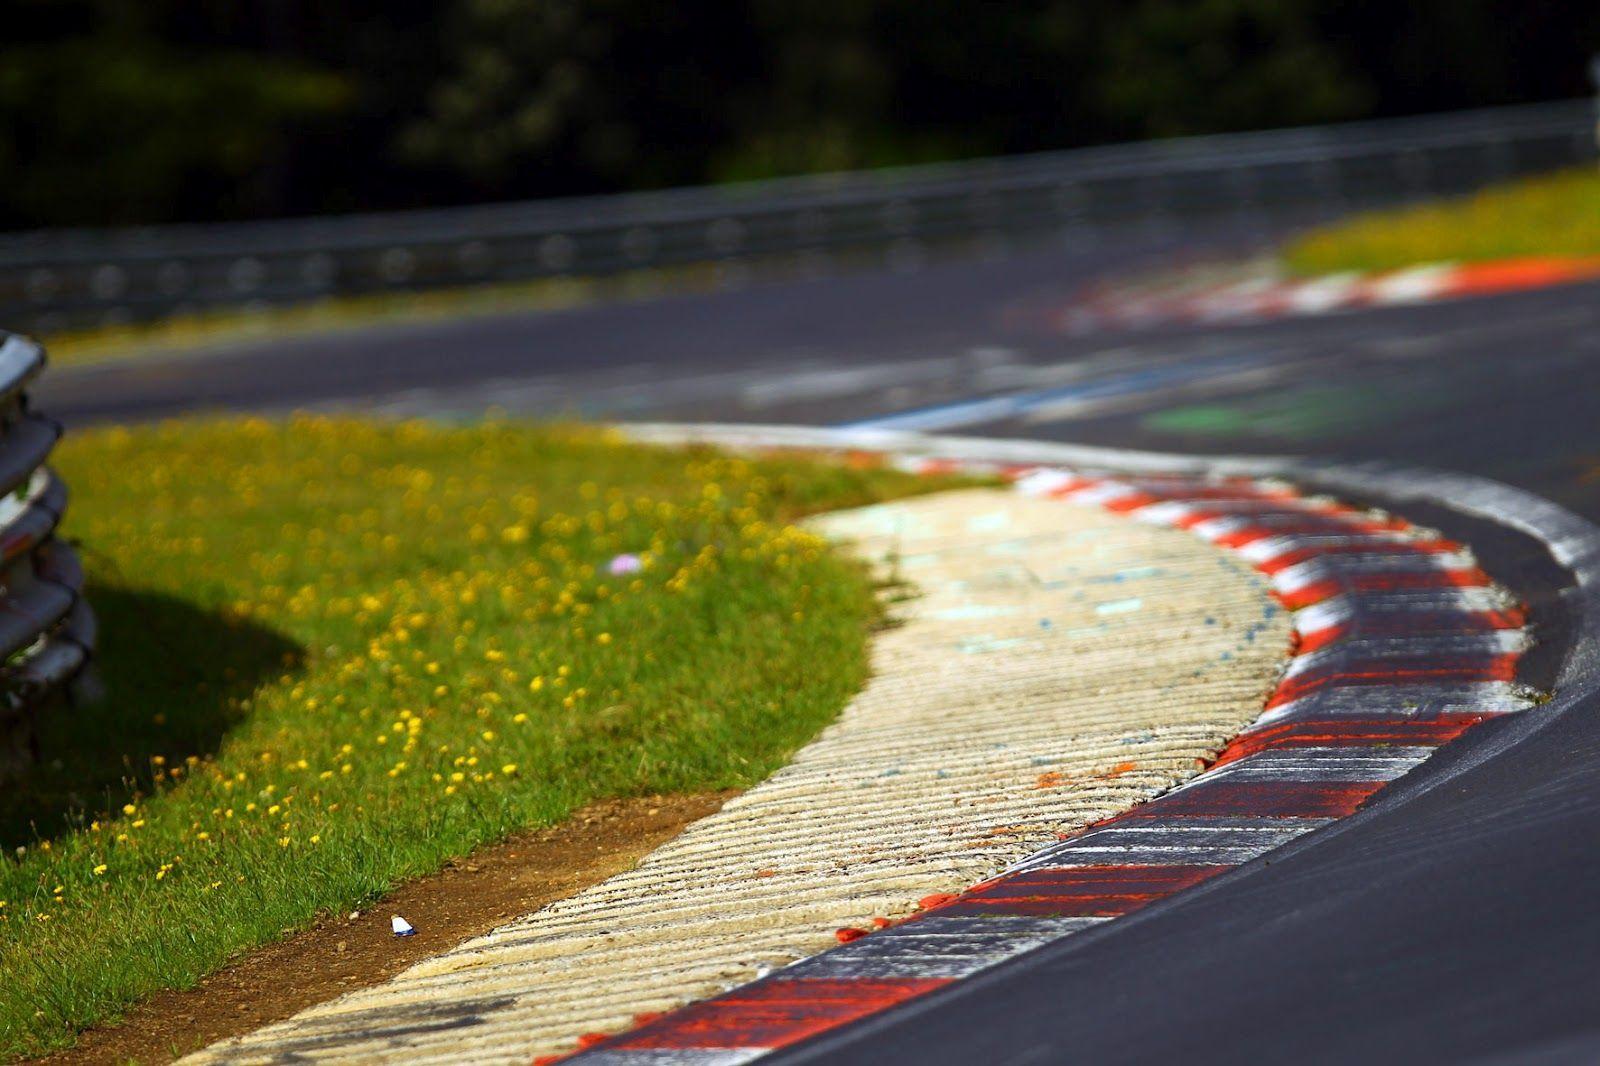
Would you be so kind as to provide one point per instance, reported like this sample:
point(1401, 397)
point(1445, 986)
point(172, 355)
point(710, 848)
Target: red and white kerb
point(1401, 644)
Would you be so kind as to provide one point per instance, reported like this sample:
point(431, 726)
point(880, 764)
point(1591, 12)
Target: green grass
point(1554, 215)
point(340, 653)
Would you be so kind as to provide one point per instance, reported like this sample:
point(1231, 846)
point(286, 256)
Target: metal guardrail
point(47, 631)
point(54, 279)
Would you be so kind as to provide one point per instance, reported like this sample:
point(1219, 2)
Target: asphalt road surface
point(1503, 386)
point(1455, 922)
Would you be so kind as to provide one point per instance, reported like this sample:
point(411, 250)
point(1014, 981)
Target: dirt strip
point(344, 953)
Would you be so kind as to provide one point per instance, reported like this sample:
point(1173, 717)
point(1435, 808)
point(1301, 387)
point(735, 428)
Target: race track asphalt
point(1453, 920)
point(1504, 387)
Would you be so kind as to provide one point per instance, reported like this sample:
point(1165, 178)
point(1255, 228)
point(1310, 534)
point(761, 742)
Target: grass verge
point(340, 653)
point(222, 328)
point(1554, 215)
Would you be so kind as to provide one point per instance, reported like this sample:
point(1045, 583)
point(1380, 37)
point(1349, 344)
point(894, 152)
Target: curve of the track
point(1451, 921)
point(1447, 921)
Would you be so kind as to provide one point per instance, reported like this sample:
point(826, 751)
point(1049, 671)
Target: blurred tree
point(824, 99)
point(570, 95)
point(1174, 67)
point(154, 110)
point(115, 126)
point(1431, 55)
point(897, 81)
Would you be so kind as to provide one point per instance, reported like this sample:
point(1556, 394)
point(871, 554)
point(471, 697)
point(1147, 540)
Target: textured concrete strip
point(1059, 665)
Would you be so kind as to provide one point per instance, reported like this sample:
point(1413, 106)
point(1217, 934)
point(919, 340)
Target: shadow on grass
point(169, 671)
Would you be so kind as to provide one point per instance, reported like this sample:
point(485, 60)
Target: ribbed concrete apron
point(1060, 664)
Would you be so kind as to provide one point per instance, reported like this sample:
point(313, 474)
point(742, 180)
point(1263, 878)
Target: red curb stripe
point(1100, 891)
point(1294, 556)
point(1242, 491)
point(1120, 307)
point(1351, 733)
point(1076, 484)
point(1259, 799)
point(774, 1013)
point(1131, 502)
point(1511, 275)
point(1438, 670)
point(1412, 623)
point(1308, 525)
point(1316, 592)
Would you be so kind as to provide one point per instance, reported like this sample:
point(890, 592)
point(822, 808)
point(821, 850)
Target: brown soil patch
point(340, 954)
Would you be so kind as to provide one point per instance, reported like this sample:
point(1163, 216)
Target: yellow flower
point(509, 768)
point(98, 870)
point(128, 808)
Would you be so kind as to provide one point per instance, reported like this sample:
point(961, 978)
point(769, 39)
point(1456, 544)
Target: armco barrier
point(46, 629)
point(56, 279)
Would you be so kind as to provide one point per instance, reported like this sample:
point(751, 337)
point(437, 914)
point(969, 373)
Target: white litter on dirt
point(1056, 664)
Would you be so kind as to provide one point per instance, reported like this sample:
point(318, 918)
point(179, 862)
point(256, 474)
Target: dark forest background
point(134, 111)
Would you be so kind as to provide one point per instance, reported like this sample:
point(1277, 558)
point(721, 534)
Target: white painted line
point(1413, 285)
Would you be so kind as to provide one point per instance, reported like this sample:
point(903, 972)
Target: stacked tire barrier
point(46, 628)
